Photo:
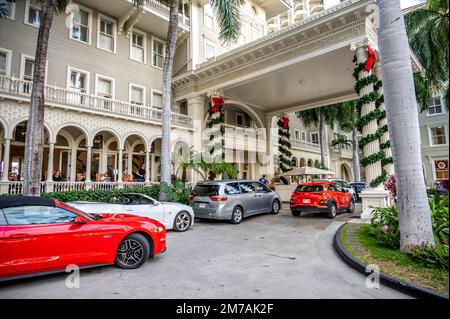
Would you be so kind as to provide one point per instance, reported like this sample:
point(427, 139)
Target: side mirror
point(79, 220)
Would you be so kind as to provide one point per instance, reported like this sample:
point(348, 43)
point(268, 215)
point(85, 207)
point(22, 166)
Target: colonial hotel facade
point(104, 84)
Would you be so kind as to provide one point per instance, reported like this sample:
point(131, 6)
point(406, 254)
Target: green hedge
point(100, 195)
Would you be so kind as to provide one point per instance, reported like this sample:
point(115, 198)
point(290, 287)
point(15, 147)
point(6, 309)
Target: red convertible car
point(42, 236)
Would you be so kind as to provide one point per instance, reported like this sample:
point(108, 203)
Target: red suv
point(321, 197)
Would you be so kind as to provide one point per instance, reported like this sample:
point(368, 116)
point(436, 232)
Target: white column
point(51, 151)
point(371, 197)
point(147, 166)
point(130, 163)
point(196, 110)
point(153, 168)
point(385, 137)
point(73, 164)
point(7, 144)
point(88, 163)
point(119, 165)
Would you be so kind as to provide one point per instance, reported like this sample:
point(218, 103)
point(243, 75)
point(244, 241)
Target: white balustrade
point(60, 96)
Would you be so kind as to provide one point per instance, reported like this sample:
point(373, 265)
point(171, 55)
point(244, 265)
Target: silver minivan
point(233, 200)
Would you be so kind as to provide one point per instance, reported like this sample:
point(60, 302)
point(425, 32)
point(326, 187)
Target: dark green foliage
point(385, 229)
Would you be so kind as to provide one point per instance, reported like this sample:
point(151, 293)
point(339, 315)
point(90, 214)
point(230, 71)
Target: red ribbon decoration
point(285, 122)
point(218, 102)
point(370, 59)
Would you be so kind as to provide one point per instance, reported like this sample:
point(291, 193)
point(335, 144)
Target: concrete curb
point(385, 279)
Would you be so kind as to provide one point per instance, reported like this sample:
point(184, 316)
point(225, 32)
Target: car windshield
point(309, 188)
point(90, 215)
point(205, 190)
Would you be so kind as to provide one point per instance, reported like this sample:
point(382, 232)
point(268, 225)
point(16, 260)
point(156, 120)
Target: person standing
point(263, 180)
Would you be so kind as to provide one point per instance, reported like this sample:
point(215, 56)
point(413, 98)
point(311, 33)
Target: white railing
point(16, 188)
point(161, 7)
point(68, 186)
point(134, 184)
point(299, 144)
point(60, 96)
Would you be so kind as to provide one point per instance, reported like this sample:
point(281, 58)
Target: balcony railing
point(161, 7)
point(82, 101)
point(303, 145)
point(16, 187)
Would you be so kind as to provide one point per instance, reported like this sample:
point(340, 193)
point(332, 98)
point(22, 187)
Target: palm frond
point(228, 17)
point(424, 94)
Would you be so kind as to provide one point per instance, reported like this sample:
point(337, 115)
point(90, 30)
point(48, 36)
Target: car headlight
point(158, 229)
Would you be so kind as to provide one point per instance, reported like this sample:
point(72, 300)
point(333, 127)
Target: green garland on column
point(284, 145)
point(216, 107)
point(376, 114)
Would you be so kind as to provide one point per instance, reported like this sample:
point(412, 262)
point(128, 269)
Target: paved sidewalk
point(267, 256)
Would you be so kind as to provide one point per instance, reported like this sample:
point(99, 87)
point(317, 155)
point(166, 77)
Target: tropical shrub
point(385, 227)
point(391, 187)
point(178, 192)
point(431, 257)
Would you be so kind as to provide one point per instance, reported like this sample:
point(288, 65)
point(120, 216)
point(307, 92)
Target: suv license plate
point(201, 205)
point(307, 201)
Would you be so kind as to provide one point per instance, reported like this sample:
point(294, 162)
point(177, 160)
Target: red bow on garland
point(218, 102)
point(285, 122)
point(370, 59)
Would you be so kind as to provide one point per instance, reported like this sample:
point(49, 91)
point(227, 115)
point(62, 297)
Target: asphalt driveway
point(267, 256)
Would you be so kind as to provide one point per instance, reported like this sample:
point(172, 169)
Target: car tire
point(275, 207)
point(182, 221)
point(332, 210)
point(133, 251)
point(237, 215)
point(295, 213)
point(351, 209)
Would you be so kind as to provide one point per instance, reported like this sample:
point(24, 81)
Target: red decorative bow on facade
point(371, 58)
point(285, 122)
point(218, 102)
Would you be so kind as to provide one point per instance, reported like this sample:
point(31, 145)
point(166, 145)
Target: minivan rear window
point(309, 188)
point(206, 190)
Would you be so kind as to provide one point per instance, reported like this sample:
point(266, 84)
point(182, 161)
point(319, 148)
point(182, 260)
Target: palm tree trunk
point(34, 140)
point(356, 165)
point(322, 138)
point(167, 90)
point(401, 108)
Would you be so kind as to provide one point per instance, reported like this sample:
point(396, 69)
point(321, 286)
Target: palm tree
point(325, 115)
point(347, 119)
point(34, 140)
point(229, 20)
point(204, 166)
point(401, 109)
point(428, 32)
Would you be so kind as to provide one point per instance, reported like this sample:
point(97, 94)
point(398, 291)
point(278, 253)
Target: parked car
point(233, 200)
point(176, 216)
point(328, 197)
point(42, 236)
point(358, 187)
point(343, 184)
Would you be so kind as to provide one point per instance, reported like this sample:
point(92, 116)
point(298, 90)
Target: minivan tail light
point(191, 197)
point(218, 198)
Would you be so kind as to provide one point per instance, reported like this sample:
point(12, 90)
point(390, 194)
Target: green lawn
point(397, 264)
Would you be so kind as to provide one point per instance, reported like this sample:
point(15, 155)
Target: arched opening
point(17, 152)
point(310, 163)
point(155, 160)
point(294, 162)
point(345, 173)
point(181, 158)
point(104, 164)
point(317, 164)
point(302, 162)
point(133, 158)
point(70, 155)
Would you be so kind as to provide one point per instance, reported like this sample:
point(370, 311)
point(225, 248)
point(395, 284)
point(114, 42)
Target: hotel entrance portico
point(305, 65)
